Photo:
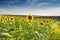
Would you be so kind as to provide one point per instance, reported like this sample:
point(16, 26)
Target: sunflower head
point(2, 20)
point(29, 17)
point(48, 20)
point(11, 19)
point(20, 19)
point(42, 24)
point(6, 18)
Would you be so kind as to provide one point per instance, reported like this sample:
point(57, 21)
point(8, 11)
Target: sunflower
point(6, 18)
point(42, 23)
point(29, 18)
point(48, 20)
point(11, 19)
point(2, 20)
point(20, 19)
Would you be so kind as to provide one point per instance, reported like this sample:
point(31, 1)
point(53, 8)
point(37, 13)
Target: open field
point(29, 28)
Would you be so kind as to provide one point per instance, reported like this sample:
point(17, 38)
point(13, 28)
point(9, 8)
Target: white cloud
point(44, 12)
point(41, 4)
point(28, 1)
point(36, 3)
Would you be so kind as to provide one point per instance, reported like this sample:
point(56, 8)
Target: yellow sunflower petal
point(48, 20)
point(20, 19)
point(29, 18)
point(6, 18)
point(11, 19)
point(42, 24)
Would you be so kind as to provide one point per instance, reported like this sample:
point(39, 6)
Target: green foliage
point(30, 30)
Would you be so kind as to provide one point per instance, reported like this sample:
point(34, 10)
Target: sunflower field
point(29, 28)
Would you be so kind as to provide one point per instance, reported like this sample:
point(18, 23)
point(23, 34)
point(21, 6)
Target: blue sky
point(28, 6)
point(28, 3)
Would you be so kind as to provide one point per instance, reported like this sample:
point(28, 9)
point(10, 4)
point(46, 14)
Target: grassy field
point(29, 28)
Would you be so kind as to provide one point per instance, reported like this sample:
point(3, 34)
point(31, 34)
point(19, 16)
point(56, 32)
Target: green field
point(29, 28)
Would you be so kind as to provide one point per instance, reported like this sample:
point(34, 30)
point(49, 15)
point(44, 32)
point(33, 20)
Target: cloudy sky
point(35, 7)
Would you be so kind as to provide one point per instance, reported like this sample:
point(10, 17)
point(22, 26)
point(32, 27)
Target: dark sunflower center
point(1, 19)
point(6, 19)
point(11, 18)
point(29, 17)
point(50, 20)
point(41, 24)
point(47, 21)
